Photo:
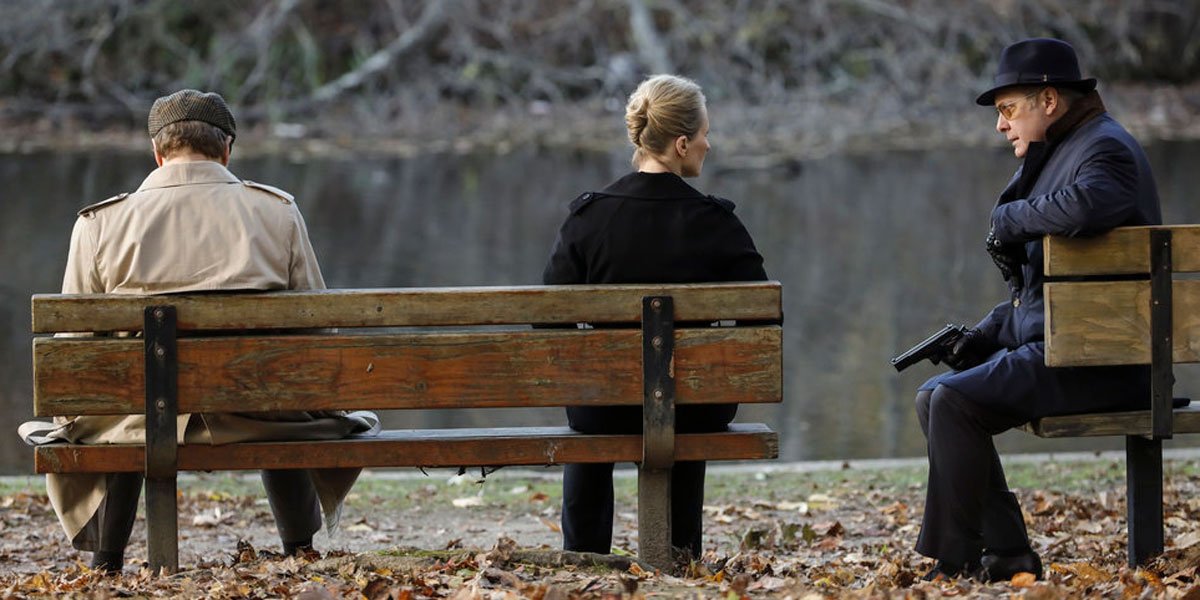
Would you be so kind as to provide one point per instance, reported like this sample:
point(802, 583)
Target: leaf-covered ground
point(843, 533)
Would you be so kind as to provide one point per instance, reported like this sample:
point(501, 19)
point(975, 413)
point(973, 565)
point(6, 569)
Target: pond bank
point(745, 136)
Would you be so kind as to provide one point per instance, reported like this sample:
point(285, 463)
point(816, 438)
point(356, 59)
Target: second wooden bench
point(1118, 302)
point(460, 348)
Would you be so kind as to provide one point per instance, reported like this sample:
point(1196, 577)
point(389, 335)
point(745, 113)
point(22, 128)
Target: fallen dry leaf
point(1023, 580)
point(1187, 540)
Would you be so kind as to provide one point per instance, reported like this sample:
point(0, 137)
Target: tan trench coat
point(192, 226)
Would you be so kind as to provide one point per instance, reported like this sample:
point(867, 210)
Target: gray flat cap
point(192, 105)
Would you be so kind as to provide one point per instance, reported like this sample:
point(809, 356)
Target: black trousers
point(291, 494)
point(587, 511)
point(968, 506)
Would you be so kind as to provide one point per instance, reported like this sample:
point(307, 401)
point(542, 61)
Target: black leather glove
point(1008, 258)
point(971, 350)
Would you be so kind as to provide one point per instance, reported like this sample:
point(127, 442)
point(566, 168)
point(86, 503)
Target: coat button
point(1016, 302)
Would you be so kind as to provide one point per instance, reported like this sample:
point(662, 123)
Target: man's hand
point(970, 351)
point(1008, 258)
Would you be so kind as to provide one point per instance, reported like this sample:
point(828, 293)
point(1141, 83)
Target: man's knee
point(949, 405)
point(945, 401)
point(922, 403)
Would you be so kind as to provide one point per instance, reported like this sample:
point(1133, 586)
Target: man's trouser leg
point(968, 505)
point(1003, 524)
point(107, 532)
point(294, 503)
point(587, 510)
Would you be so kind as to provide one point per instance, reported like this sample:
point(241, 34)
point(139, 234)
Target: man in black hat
point(1082, 174)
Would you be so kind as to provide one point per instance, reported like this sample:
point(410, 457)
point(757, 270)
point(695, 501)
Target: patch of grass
point(734, 488)
point(222, 483)
point(1066, 476)
point(24, 484)
point(503, 491)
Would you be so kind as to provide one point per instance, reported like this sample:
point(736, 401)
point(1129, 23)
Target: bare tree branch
point(433, 17)
point(263, 31)
point(648, 41)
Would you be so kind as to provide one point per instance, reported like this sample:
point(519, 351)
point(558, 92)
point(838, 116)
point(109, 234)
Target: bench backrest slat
point(535, 367)
point(1094, 322)
point(1123, 251)
point(1108, 323)
point(409, 307)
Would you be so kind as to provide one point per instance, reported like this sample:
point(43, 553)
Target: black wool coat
point(652, 228)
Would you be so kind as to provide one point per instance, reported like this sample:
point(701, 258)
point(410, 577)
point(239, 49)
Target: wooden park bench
point(1118, 302)
point(458, 348)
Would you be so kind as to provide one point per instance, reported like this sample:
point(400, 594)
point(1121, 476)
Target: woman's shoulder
point(651, 187)
point(725, 203)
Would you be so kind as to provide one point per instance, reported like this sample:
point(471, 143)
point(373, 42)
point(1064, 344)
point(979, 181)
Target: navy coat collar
point(1084, 111)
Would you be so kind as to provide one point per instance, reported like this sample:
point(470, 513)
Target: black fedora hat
point(1036, 61)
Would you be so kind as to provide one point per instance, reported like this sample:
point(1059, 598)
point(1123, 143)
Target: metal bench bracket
point(658, 430)
point(162, 407)
point(1143, 455)
point(1162, 358)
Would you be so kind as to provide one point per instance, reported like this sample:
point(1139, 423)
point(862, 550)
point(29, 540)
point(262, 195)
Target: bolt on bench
point(457, 356)
point(1125, 306)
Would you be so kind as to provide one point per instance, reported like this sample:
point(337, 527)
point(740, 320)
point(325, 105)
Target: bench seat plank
point(1186, 420)
point(419, 448)
point(1122, 251)
point(410, 307)
point(543, 367)
point(1108, 322)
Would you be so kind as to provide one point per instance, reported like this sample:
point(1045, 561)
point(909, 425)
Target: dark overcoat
point(1091, 179)
point(651, 228)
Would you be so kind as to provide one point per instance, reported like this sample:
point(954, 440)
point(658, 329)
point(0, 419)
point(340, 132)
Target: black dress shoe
point(943, 571)
point(993, 567)
point(108, 561)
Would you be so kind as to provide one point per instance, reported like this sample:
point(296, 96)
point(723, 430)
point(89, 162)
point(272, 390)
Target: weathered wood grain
point(1124, 250)
point(410, 307)
point(425, 448)
point(1108, 323)
point(1186, 420)
point(544, 367)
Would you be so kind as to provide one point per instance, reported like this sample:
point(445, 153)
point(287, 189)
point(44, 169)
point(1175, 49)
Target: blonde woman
point(650, 226)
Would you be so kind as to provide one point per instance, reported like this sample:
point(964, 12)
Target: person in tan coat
point(193, 226)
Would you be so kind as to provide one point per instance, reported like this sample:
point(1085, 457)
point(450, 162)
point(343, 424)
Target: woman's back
point(652, 228)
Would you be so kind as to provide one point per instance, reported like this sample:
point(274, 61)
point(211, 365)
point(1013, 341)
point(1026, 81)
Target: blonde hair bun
point(662, 108)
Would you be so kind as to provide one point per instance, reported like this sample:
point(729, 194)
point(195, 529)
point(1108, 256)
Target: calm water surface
point(874, 253)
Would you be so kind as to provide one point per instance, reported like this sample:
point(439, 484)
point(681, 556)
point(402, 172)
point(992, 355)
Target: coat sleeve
point(990, 325)
point(304, 273)
point(82, 275)
point(1102, 196)
point(567, 264)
